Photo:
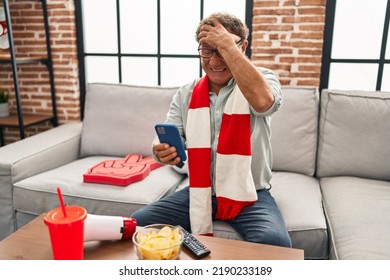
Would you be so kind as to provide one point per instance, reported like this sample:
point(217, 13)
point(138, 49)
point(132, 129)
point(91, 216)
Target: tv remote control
point(194, 245)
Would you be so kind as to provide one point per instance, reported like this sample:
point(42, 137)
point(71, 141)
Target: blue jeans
point(261, 222)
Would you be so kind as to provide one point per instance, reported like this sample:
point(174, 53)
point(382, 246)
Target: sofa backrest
point(354, 134)
point(294, 131)
point(119, 119)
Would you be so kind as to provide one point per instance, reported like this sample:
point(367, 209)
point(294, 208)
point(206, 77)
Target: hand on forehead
point(213, 31)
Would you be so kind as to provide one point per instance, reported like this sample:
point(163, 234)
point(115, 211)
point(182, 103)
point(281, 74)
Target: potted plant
point(4, 108)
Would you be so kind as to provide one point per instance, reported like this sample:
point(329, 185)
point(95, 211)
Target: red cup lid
point(73, 214)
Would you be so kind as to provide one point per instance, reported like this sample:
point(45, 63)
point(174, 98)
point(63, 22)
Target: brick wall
point(287, 38)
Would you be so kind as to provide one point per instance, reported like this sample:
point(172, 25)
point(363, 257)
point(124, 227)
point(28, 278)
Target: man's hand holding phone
point(171, 148)
point(166, 154)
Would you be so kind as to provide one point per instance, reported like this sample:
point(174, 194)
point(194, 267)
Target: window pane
point(179, 20)
point(353, 76)
point(139, 71)
point(100, 28)
point(138, 26)
point(179, 71)
point(235, 7)
point(102, 69)
point(386, 78)
point(358, 29)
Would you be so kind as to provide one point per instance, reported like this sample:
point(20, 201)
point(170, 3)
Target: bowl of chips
point(158, 242)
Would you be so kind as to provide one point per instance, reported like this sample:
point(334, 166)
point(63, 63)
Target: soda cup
point(67, 232)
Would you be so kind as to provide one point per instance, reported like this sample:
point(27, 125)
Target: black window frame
point(82, 54)
point(328, 41)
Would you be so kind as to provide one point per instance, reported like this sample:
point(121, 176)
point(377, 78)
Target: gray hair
point(229, 21)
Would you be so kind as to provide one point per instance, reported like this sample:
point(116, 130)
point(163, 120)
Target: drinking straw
point(61, 202)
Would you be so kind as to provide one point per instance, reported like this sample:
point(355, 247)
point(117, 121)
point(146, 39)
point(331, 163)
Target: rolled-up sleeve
point(276, 91)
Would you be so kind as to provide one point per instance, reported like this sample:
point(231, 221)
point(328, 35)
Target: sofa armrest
point(41, 152)
point(32, 156)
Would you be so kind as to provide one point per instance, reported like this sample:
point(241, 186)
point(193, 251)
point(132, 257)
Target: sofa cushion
point(354, 134)
point(37, 194)
point(294, 131)
point(357, 211)
point(224, 230)
point(299, 200)
point(119, 119)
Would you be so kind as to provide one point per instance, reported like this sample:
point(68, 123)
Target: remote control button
point(194, 245)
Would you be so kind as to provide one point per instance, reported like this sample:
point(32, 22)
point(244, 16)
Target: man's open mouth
point(218, 70)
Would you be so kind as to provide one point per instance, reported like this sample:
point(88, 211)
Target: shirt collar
point(231, 84)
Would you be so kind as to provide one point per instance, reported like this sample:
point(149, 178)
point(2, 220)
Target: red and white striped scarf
point(234, 184)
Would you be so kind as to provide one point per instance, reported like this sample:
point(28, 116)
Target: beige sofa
point(331, 166)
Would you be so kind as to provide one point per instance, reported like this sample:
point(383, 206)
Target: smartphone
point(169, 133)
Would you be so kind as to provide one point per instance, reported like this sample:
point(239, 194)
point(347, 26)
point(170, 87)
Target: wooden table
point(32, 242)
